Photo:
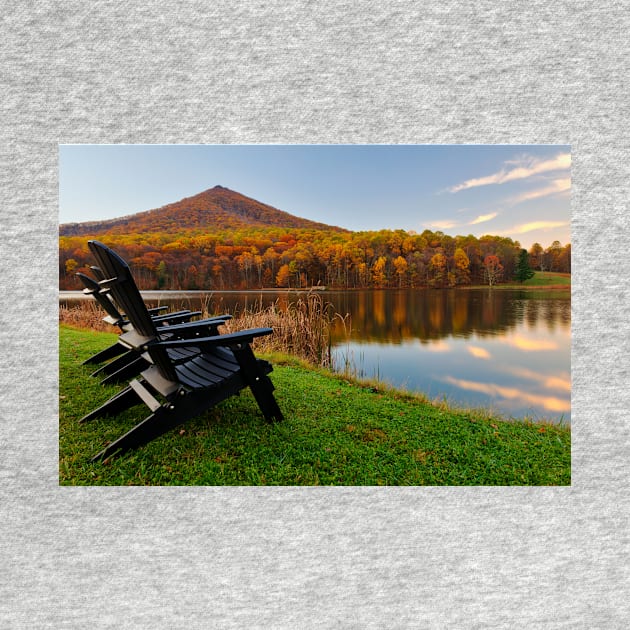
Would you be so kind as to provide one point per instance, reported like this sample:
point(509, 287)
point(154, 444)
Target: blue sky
point(520, 191)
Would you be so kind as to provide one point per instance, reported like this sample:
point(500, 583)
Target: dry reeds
point(301, 328)
point(85, 314)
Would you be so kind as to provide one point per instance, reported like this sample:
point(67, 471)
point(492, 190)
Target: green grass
point(336, 432)
point(543, 279)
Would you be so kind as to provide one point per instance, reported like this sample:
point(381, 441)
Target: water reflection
point(508, 351)
point(504, 350)
point(548, 403)
point(398, 315)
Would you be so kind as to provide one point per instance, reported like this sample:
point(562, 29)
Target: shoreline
point(157, 293)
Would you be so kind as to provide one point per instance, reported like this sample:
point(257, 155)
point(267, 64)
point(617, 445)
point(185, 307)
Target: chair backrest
point(98, 274)
point(120, 282)
point(101, 295)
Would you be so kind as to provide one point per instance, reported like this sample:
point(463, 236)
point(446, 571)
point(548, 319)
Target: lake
point(505, 350)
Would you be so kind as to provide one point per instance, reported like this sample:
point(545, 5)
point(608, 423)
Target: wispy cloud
point(482, 218)
point(523, 228)
point(449, 225)
point(526, 167)
point(555, 187)
point(442, 225)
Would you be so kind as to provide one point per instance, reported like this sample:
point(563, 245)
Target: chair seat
point(183, 354)
point(212, 369)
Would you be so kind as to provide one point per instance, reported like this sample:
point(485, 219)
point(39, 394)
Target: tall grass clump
point(85, 314)
point(301, 328)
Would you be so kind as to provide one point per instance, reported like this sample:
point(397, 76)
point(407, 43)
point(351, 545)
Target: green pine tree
point(523, 271)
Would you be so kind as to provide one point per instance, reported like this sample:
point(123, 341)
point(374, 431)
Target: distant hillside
point(218, 208)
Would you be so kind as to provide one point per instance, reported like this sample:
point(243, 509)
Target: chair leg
point(163, 419)
point(120, 402)
point(133, 368)
point(263, 393)
point(109, 353)
point(258, 382)
point(116, 364)
point(176, 411)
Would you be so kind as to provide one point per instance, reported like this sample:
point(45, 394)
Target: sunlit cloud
point(483, 218)
point(556, 382)
point(555, 187)
point(530, 345)
point(536, 225)
point(550, 403)
point(449, 224)
point(442, 225)
point(478, 353)
point(527, 167)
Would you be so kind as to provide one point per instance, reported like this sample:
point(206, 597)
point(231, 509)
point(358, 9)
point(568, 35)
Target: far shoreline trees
point(273, 257)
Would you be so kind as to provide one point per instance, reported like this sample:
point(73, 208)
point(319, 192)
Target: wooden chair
point(118, 320)
point(175, 391)
point(129, 363)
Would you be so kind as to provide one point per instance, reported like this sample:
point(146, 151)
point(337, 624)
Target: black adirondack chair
point(117, 319)
point(129, 362)
point(175, 391)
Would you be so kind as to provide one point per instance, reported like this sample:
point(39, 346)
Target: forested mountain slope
point(218, 208)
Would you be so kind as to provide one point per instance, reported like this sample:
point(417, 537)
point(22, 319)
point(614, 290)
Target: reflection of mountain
point(394, 316)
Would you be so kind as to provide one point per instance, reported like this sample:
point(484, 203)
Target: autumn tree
point(283, 276)
point(378, 271)
point(536, 260)
point(401, 266)
point(71, 266)
point(438, 269)
point(556, 257)
point(462, 266)
point(245, 263)
point(564, 259)
point(493, 269)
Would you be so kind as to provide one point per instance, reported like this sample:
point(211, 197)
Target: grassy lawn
point(544, 279)
point(336, 432)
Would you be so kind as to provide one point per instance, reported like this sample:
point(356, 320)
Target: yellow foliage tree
point(378, 271)
point(400, 264)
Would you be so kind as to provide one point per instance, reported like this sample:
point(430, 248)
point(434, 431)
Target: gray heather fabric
point(273, 72)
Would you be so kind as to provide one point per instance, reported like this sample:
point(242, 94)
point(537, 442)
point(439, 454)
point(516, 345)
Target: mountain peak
point(217, 208)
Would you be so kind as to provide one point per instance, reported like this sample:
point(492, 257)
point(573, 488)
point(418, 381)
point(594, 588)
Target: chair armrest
point(192, 326)
point(158, 320)
point(178, 317)
point(185, 311)
point(231, 339)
